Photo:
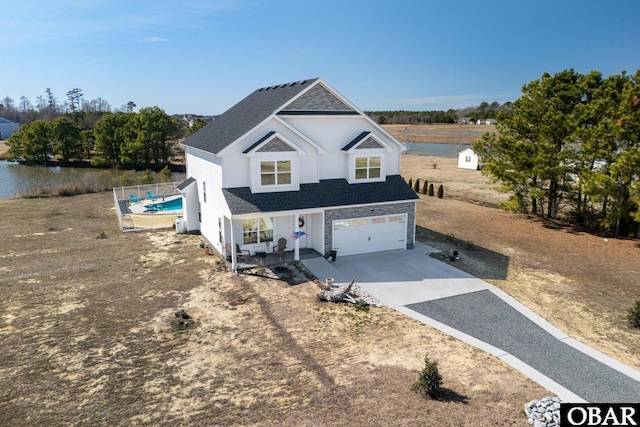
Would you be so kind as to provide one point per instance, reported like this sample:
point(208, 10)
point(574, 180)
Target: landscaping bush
point(100, 162)
point(416, 186)
point(440, 192)
point(430, 381)
point(425, 187)
point(411, 182)
point(634, 315)
point(431, 189)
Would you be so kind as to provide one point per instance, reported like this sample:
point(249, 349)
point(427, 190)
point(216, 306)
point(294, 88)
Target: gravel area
point(485, 316)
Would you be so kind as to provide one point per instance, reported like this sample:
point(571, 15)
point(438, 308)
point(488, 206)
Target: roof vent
point(303, 82)
point(281, 86)
point(291, 84)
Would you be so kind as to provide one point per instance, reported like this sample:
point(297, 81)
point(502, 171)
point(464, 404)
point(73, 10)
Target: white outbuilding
point(467, 159)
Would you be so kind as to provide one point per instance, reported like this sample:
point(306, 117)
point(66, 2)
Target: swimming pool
point(167, 206)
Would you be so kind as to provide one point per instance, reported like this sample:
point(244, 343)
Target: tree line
point(48, 106)
point(570, 147)
point(89, 130)
point(483, 111)
point(119, 140)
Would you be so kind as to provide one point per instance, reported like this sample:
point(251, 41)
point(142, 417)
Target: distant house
point(486, 122)
point(467, 159)
point(7, 128)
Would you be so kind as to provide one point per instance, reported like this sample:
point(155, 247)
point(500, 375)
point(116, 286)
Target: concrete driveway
point(476, 312)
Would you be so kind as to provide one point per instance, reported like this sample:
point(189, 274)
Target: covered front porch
point(272, 260)
point(272, 238)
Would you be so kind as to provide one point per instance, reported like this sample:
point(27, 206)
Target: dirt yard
point(88, 333)
point(88, 336)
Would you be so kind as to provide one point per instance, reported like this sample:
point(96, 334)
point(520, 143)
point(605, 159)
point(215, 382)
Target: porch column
point(234, 255)
point(296, 242)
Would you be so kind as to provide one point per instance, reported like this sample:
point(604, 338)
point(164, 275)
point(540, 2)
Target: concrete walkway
point(476, 312)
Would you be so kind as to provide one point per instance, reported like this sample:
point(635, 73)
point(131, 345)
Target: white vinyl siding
point(237, 165)
point(205, 168)
point(334, 132)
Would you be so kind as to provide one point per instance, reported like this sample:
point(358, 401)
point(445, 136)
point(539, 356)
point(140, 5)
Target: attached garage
point(372, 234)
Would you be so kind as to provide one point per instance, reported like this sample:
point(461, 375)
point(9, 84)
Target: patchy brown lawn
point(439, 133)
point(88, 336)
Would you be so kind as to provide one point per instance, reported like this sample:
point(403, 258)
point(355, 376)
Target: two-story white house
point(297, 161)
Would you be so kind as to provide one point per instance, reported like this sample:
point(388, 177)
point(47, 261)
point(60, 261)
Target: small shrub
point(440, 192)
point(164, 175)
point(429, 381)
point(361, 306)
point(147, 177)
point(425, 187)
point(99, 162)
point(416, 186)
point(435, 166)
point(634, 315)
point(431, 190)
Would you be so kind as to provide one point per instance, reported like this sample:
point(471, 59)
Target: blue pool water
point(169, 205)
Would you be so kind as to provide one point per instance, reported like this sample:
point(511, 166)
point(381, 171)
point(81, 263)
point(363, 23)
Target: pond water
point(431, 149)
point(16, 178)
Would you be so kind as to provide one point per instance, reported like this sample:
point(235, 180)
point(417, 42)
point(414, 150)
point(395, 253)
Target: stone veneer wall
point(331, 215)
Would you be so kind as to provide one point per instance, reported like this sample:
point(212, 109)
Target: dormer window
point(366, 158)
point(275, 172)
point(368, 167)
point(274, 164)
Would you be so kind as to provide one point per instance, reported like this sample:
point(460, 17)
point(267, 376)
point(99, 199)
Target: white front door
point(373, 234)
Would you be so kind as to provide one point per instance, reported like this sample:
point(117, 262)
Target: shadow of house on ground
point(473, 259)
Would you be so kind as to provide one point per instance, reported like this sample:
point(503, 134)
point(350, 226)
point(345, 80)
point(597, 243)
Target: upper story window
point(368, 167)
point(274, 163)
point(367, 158)
point(275, 172)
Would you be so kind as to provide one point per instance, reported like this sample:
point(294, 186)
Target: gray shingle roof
point(258, 142)
point(184, 184)
point(355, 141)
point(326, 193)
point(244, 116)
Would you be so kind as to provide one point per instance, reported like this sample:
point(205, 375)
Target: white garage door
point(374, 234)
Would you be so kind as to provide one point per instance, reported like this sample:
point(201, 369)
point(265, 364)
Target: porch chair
point(280, 249)
point(242, 253)
point(134, 199)
point(151, 196)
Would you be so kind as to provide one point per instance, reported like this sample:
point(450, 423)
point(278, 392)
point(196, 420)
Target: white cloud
point(155, 40)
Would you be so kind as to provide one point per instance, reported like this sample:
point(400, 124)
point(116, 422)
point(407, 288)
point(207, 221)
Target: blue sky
point(202, 56)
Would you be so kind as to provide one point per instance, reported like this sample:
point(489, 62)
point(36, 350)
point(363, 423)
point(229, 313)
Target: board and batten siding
point(206, 169)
